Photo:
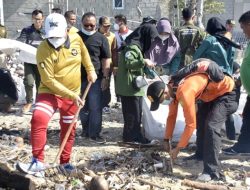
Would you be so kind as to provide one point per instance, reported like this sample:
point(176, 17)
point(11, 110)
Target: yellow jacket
point(72, 30)
point(60, 69)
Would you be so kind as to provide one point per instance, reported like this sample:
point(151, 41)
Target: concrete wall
point(17, 13)
point(155, 8)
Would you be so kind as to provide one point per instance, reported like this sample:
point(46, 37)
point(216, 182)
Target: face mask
point(167, 102)
point(164, 37)
point(116, 27)
point(88, 33)
point(57, 42)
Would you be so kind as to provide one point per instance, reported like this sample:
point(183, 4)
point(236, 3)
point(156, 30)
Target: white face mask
point(164, 37)
point(57, 42)
point(116, 27)
point(167, 102)
point(88, 33)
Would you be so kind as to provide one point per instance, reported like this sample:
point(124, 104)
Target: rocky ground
point(125, 167)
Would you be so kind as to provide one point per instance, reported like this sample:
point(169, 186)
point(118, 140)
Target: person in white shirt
point(121, 29)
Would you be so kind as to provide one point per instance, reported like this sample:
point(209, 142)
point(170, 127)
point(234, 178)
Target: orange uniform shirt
point(192, 88)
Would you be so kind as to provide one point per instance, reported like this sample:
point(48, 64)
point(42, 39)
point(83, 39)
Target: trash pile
point(11, 62)
point(12, 149)
point(123, 166)
point(16, 68)
point(127, 170)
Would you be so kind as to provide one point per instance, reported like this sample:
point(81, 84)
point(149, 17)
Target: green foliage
point(210, 6)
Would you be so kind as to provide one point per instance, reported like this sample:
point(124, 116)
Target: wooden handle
point(171, 159)
point(72, 123)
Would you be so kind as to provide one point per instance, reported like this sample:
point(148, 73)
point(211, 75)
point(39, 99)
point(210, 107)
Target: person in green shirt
point(243, 144)
point(131, 64)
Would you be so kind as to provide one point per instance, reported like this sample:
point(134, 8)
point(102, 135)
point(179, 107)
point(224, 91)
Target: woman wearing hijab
point(216, 46)
point(132, 64)
point(165, 50)
point(212, 115)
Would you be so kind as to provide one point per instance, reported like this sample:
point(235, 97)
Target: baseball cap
point(230, 21)
point(104, 21)
point(55, 25)
point(154, 93)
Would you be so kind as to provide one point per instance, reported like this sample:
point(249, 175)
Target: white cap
point(55, 25)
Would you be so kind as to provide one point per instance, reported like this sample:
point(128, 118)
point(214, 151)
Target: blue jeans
point(91, 113)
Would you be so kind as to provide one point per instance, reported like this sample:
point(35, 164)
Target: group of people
point(69, 60)
point(209, 93)
point(199, 62)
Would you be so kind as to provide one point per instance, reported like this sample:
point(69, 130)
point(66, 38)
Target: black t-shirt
point(98, 48)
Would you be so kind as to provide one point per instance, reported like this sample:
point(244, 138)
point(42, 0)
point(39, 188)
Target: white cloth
point(118, 37)
point(154, 122)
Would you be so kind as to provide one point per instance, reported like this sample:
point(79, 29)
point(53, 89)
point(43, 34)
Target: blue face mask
point(167, 102)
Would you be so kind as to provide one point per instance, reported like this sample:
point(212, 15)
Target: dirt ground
point(85, 151)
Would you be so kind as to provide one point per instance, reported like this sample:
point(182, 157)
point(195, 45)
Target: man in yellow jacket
point(59, 60)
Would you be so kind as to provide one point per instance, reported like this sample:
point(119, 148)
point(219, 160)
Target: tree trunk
point(200, 4)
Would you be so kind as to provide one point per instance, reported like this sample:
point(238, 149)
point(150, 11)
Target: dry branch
point(206, 186)
point(240, 156)
point(149, 183)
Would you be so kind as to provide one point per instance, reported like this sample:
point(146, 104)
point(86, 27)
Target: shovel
point(72, 123)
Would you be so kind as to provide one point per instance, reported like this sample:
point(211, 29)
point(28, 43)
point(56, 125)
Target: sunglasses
point(89, 25)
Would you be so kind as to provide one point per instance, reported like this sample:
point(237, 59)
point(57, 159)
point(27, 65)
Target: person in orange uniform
point(203, 80)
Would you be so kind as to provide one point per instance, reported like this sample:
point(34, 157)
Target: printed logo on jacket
point(74, 52)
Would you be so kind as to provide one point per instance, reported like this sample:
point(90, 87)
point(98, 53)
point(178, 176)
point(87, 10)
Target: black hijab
point(216, 28)
point(142, 36)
